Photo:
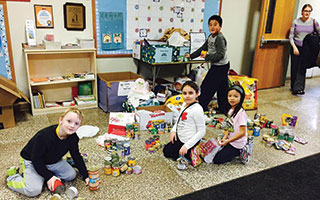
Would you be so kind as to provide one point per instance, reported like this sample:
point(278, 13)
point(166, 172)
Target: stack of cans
point(94, 179)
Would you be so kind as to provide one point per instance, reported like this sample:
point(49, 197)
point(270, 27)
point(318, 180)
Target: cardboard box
point(156, 54)
point(86, 43)
point(146, 113)
point(8, 93)
point(111, 87)
point(52, 45)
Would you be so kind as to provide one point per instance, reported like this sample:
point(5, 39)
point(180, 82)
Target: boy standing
point(216, 80)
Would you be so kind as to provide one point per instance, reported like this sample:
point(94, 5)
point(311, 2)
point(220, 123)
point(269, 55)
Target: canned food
point(131, 161)
point(126, 149)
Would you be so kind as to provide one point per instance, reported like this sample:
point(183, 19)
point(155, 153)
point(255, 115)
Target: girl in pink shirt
point(234, 142)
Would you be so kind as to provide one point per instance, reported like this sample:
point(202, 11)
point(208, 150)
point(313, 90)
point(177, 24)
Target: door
point(272, 46)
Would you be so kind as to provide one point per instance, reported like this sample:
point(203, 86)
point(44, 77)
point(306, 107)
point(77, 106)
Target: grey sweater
point(216, 47)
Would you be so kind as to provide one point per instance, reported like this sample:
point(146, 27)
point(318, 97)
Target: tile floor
point(160, 178)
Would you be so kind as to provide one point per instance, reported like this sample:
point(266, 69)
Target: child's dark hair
point(192, 85)
point(240, 90)
point(217, 18)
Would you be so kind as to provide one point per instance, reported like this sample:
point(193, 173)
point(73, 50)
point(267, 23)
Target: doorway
point(272, 47)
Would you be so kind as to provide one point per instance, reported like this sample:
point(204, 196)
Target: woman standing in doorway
point(299, 29)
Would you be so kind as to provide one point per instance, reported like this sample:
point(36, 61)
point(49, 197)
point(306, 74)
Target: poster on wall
point(5, 68)
point(111, 30)
point(74, 16)
point(44, 16)
point(150, 19)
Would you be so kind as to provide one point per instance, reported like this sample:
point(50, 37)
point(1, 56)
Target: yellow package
point(289, 120)
point(250, 88)
point(175, 100)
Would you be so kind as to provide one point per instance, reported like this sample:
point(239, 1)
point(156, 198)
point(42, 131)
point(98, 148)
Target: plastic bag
point(201, 72)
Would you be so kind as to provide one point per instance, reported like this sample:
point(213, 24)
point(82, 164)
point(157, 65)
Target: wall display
point(149, 19)
point(74, 16)
point(6, 62)
point(112, 30)
point(44, 16)
point(197, 39)
point(146, 19)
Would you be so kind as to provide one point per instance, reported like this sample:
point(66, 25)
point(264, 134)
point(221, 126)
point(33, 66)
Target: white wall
point(18, 12)
point(237, 28)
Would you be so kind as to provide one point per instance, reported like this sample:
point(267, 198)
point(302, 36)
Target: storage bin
point(156, 54)
point(108, 89)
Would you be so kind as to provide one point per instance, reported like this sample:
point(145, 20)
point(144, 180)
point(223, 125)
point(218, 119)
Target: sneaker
point(244, 154)
point(195, 156)
point(12, 171)
point(182, 163)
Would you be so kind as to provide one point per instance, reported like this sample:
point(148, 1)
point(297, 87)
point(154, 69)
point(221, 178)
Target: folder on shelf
point(37, 80)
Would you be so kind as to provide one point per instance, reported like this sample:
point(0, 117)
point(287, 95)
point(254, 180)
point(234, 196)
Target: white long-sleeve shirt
point(191, 126)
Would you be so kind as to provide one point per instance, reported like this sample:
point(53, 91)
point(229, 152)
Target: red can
point(58, 187)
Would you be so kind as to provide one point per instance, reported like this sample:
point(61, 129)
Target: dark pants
point(216, 80)
point(172, 150)
point(226, 154)
point(298, 72)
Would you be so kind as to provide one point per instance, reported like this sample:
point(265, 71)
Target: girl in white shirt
point(190, 126)
point(234, 142)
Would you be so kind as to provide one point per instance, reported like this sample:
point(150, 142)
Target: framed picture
point(74, 16)
point(44, 16)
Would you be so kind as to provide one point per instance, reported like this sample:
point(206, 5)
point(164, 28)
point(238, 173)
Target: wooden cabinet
point(42, 64)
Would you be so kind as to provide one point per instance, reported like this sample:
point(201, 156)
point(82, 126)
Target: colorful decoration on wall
point(111, 27)
point(152, 17)
point(5, 69)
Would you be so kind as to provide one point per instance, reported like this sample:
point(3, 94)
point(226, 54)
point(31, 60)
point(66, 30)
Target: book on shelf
point(85, 102)
point(55, 78)
point(41, 79)
point(68, 103)
point(86, 97)
point(38, 99)
point(52, 104)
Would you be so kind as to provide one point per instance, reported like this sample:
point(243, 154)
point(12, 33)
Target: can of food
point(137, 169)
point(115, 169)
point(250, 144)
point(107, 144)
point(256, 131)
point(107, 169)
point(121, 151)
point(131, 161)
point(126, 148)
point(123, 167)
point(129, 170)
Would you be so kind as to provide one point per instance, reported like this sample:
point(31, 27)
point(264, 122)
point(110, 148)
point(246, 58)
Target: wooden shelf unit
point(52, 63)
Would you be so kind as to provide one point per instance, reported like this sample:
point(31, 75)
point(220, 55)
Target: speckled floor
point(160, 178)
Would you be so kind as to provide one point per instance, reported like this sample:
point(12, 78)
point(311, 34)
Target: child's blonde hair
point(75, 110)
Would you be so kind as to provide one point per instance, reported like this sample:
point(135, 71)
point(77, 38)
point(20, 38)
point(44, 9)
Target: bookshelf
point(42, 65)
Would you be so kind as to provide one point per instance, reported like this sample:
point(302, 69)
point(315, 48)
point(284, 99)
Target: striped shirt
point(300, 29)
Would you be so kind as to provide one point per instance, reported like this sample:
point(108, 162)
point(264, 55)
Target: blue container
point(256, 131)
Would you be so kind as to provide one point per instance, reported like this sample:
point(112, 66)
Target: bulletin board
point(6, 61)
point(119, 23)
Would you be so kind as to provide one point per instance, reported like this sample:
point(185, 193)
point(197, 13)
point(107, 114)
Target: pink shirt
point(239, 120)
